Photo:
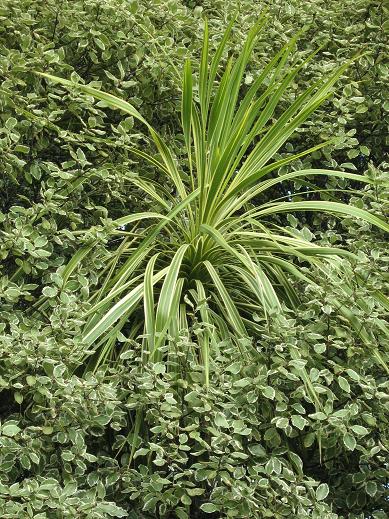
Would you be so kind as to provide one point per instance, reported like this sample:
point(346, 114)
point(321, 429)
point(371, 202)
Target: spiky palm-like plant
point(211, 247)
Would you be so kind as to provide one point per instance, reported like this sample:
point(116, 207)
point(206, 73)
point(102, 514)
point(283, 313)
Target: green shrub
point(213, 229)
point(252, 445)
point(67, 171)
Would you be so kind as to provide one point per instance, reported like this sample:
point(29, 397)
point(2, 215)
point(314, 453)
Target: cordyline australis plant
point(211, 250)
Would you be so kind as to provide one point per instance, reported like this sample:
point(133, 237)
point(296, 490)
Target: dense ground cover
point(262, 440)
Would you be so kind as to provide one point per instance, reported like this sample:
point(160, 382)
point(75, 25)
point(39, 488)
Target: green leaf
point(269, 392)
point(357, 99)
point(257, 450)
point(220, 420)
point(10, 428)
point(298, 421)
point(234, 368)
point(123, 307)
point(352, 154)
point(31, 380)
point(186, 106)
point(232, 311)
point(353, 374)
point(50, 291)
point(371, 488)
point(159, 368)
point(112, 510)
point(18, 397)
point(209, 508)
point(349, 441)
point(148, 300)
point(322, 491)
point(282, 423)
point(359, 429)
point(168, 292)
point(330, 207)
point(99, 43)
point(344, 384)
point(34, 457)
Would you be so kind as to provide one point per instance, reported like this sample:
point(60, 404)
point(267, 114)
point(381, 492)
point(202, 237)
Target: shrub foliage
point(301, 431)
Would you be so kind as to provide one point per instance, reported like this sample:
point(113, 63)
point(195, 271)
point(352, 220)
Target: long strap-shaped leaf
point(122, 307)
point(148, 302)
point(255, 276)
point(125, 220)
point(225, 107)
point(223, 169)
point(232, 312)
point(321, 205)
point(249, 194)
point(303, 106)
point(215, 65)
point(186, 108)
point(133, 261)
point(167, 295)
point(205, 339)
